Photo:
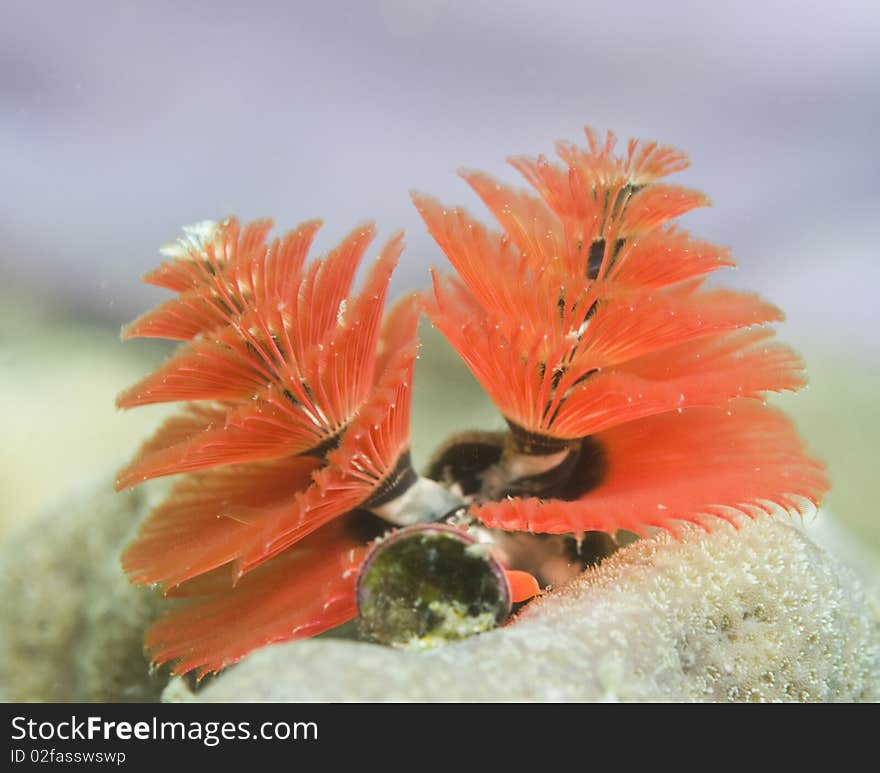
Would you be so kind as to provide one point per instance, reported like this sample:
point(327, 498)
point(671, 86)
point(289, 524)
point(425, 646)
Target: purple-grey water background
point(122, 121)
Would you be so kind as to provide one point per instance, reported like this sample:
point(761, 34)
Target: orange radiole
point(633, 394)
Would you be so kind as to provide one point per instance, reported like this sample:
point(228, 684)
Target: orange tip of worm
point(523, 585)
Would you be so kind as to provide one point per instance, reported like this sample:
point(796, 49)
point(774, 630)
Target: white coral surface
point(756, 614)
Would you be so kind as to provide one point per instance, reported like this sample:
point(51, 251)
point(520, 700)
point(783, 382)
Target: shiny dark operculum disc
point(427, 584)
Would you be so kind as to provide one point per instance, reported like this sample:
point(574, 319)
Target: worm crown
point(633, 396)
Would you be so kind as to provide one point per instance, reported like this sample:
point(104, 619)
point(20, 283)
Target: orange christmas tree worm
point(633, 393)
point(587, 321)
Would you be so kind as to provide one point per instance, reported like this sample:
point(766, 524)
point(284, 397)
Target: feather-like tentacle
point(194, 530)
point(280, 403)
point(300, 593)
point(679, 467)
point(369, 453)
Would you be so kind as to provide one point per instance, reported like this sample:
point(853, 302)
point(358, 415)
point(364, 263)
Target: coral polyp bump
point(634, 398)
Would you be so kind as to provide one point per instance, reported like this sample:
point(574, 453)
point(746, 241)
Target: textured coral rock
point(72, 625)
point(759, 614)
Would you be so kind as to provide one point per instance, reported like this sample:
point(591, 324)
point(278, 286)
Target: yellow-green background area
point(63, 435)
